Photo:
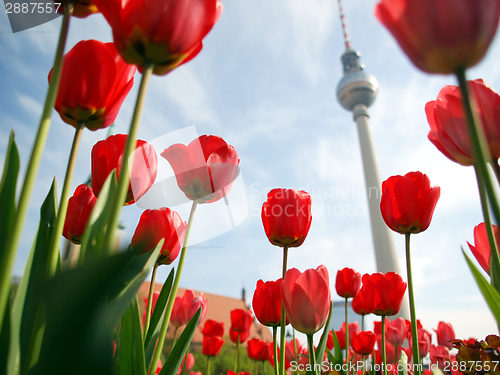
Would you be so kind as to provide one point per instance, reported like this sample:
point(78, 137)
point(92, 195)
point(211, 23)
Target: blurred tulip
point(154, 299)
point(286, 215)
point(266, 302)
point(306, 298)
point(445, 333)
point(211, 345)
point(329, 341)
point(353, 330)
point(107, 155)
point(347, 283)
point(363, 342)
point(205, 169)
point(186, 306)
point(241, 320)
point(155, 225)
point(166, 33)
point(384, 292)
point(186, 364)
point(449, 130)
point(439, 355)
point(441, 37)
point(481, 249)
point(396, 331)
point(213, 328)
point(238, 336)
point(258, 350)
point(290, 348)
point(408, 202)
point(94, 83)
point(80, 206)
point(424, 342)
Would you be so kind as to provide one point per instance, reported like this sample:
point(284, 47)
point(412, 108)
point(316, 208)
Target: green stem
point(283, 317)
point(150, 300)
point(396, 354)
point(384, 361)
point(237, 354)
point(312, 353)
point(494, 258)
point(363, 359)
point(346, 332)
point(123, 179)
point(275, 349)
point(174, 340)
point(173, 293)
point(31, 170)
point(53, 250)
point(208, 365)
point(414, 334)
point(479, 145)
point(295, 354)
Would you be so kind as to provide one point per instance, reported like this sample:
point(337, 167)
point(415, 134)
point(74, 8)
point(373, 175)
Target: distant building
point(219, 309)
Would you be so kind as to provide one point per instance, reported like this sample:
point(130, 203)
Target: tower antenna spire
point(344, 25)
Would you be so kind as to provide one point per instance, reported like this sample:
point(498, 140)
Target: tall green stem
point(150, 300)
point(237, 367)
point(275, 349)
point(283, 317)
point(54, 251)
point(31, 170)
point(414, 333)
point(173, 293)
point(312, 353)
point(479, 145)
point(208, 365)
point(384, 358)
point(123, 179)
point(346, 332)
point(494, 258)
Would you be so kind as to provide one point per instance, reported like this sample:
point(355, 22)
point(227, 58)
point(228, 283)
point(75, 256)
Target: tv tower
point(356, 91)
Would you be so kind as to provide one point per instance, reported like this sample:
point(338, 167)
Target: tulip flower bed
point(86, 318)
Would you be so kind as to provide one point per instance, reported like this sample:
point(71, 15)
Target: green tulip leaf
point(131, 348)
point(174, 360)
point(320, 351)
point(490, 295)
point(154, 324)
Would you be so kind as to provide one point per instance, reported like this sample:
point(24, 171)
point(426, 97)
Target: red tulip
point(481, 249)
point(306, 298)
point(164, 33)
point(449, 131)
point(107, 155)
point(186, 306)
point(384, 292)
point(205, 169)
point(329, 341)
point(241, 320)
point(80, 206)
point(445, 333)
point(408, 202)
point(286, 216)
point(211, 345)
point(266, 302)
point(186, 364)
point(353, 330)
point(238, 336)
point(290, 347)
point(81, 8)
point(439, 355)
point(360, 304)
point(347, 283)
point(155, 225)
point(213, 328)
point(441, 37)
point(396, 331)
point(94, 83)
point(258, 350)
point(363, 342)
point(155, 297)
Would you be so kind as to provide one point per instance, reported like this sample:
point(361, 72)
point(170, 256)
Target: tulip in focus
point(205, 169)
point(481, 248)
point(363, 342)
point(384, 291)
point(306, 298)
point(448, 123)
point(164, 33)
point(155, 225)
point(80, 206)
point(441, 36)
point(107, 155)
point(445, 333)
point(408, 202)
point(286, 215)
point(213, 328)
point(211, 345)
point(347, 283)
point(241, 322)
point(266, 302)
point(94, 83)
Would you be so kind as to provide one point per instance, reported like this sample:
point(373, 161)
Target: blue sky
point(266, 82)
